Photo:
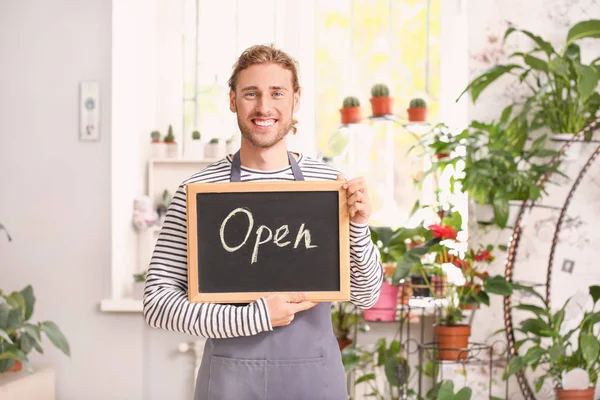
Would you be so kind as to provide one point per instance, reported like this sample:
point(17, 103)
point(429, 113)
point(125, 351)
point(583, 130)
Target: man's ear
point(297, 100)
point(232, 101)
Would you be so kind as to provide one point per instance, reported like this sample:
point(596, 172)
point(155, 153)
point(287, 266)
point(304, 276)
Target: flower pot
point(385, 307)
point(216, 150)
point(452, 341)
point(171, 149)
point(194, 150)
point(381, 105)
point(158, 150)
point(405, 292)
point(138, 290)
point(419, 286)
point(16, 367)
point(350, 115)
point(417, 114)
point(439, 285)
point(344, 343)
point(586, 394)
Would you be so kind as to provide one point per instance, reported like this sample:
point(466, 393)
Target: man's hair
point(262, 54)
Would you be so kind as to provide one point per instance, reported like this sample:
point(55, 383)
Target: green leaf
point(498, 285)
point(587, 80)
point(391, 371)
point(533, 355)
point(4, 308)
point(463, 394)
point(446, 391)
point(538, 311)
point(514, 366)
point(590, 348)
point(506, 114)
point(536, 63)
point(454, 220)
point(56, 336)
point(539, 383)
point(560, 67)
point(482, 297)
point(545, 46)
point(583, 29)
point(29, 298)
point(529, 290)
point(555, 352)
point(487, 78)
point(595, 293)
point(365, 378)
point(537, 327)
point(501, 210)
point(502, 247)
point(5, 336)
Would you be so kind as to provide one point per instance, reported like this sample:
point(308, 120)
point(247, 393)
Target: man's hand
point(282, 307)
point(359, 203)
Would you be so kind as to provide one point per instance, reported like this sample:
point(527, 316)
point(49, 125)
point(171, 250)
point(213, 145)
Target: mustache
point(259, 114)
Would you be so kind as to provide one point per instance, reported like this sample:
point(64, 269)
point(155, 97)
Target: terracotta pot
point(405, 292)
point(386, 306)
point(586, 394)
point(441, 156)
point(439, 285)
point(350, 115)
point(381, 105)
point(344, 343)
point(452, 341)
point(16, 367)
point(417, 114)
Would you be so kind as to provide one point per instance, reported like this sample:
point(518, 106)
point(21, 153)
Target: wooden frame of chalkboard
point(219, 273)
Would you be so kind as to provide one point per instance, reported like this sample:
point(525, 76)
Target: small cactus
point(170, 138)
point(351, 101)
point(155, 135)
point(380, 90)
point(214, 141)
point(196, 135)
point(418, 103)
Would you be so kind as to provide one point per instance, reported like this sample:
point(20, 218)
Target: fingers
point(302, 306)
point(356, 197)
point(356, 184)
point(340, 177)
point(293, 297)
point(357, 208)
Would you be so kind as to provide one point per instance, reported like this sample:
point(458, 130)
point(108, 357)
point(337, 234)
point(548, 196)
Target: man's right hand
point(282, 307)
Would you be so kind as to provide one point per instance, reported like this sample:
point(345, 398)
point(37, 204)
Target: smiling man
point(280, 346)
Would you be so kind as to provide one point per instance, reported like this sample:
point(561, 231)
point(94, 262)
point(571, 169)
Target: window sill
point(121, 305)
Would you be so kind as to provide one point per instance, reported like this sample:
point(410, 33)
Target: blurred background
point(107, 106)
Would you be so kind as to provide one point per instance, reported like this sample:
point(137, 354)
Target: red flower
point(443, 231)
point(462, 264)
point(483, 255)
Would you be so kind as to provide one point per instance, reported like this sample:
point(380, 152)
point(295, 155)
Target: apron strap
point(236, 168)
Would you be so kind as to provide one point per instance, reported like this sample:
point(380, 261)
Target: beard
point(264, 140)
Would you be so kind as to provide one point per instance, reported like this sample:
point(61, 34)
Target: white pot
point(172, 150)
point(158, 150)
point(194, 150)
point(138, 291)
point(484, 213)
point(215, 150)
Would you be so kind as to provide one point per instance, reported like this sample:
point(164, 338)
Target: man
point(280, 346)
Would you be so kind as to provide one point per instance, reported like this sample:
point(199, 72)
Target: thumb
point(294, 297)
point(340, 177)
point(302, 306)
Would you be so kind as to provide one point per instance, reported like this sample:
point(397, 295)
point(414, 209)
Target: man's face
point(264, 101)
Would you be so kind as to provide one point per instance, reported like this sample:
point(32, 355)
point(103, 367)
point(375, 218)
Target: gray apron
point(300, 361)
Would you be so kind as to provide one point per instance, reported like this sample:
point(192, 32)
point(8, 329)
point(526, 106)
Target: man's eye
point(250, 94)
point(277, 94)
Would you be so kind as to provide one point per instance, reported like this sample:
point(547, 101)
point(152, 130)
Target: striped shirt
point(166, 304)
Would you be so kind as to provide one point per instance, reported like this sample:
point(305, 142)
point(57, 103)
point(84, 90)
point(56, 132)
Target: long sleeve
point(166, 304)
point(366, 272)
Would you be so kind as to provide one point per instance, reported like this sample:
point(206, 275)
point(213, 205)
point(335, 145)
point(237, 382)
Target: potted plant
point(561, 88)
point(350, 110)
point(499, 164)
point(381, 102)
point(215, 148)
point(346, 321)
point(157, 148)
point(368, 362)
point(469, 287)
point(194, 149)
point(171, 143)
point(417, 110)
point(563, 354)
point(19, 336)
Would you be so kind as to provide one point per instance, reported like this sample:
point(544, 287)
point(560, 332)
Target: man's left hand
point(359, 203)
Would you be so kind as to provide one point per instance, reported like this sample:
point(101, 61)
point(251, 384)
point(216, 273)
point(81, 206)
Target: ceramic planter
point(586, 394)
point(417, 114)
point(452, 341)
point(381, 105)
point(194, 150)
point(385, 308)
point(419, 286)
point(171, 149)
point(158, 150)
point(215, 150)
point(350, 115)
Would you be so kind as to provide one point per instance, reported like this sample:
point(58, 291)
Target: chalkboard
point(250, 239)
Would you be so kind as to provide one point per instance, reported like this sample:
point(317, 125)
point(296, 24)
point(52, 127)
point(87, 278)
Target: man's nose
point(264, 105)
